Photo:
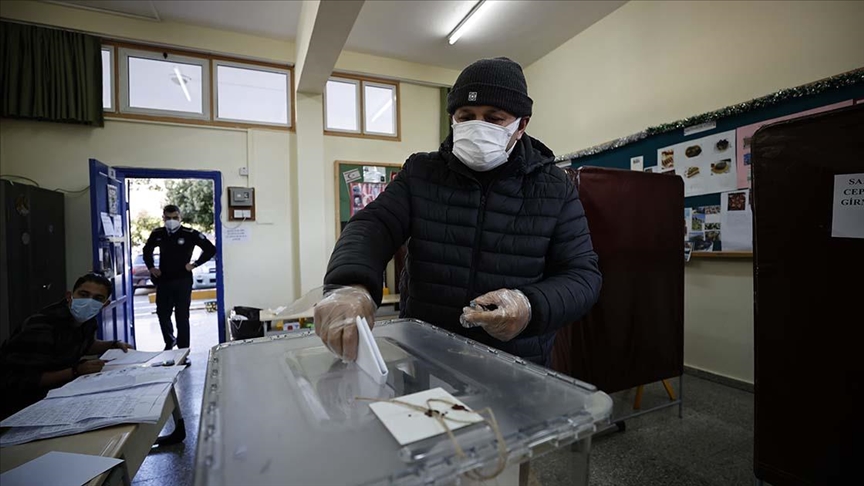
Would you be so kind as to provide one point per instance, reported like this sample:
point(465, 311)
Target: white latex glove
point(503, 313)
point(335, 319)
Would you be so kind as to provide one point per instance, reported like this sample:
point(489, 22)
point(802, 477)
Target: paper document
point(134, 403)
point(409, 425)
point(58, 469)
point(131, 357)
point(368, 355)
point(149, 410)
point(116, 380)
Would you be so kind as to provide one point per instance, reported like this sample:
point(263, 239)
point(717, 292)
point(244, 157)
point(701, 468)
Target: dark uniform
point(51, 340)
point(174, 286)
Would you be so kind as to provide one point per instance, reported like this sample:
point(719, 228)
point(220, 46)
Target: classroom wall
point(212, 40)
point(420, 133)
point(649, 63)
point(56, 156)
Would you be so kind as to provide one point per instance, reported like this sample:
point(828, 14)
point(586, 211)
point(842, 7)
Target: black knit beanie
point(496, 82)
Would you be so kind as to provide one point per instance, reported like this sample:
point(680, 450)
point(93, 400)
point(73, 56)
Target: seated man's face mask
point(483, 146)
point(84, 309)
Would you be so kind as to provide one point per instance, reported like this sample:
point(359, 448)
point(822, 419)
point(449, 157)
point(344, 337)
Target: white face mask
point(172, 224)
point(482, 146)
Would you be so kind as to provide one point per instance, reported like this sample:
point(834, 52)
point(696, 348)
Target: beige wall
point(654, 62)
point(420, 106)
point(57, 156)
point(212, 40)
point(265, 271)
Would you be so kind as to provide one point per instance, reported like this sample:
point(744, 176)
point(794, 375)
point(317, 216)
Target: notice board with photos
point(713, 158)
point(357, 185)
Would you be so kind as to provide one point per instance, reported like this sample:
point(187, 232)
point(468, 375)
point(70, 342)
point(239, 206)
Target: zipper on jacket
point(475, 254)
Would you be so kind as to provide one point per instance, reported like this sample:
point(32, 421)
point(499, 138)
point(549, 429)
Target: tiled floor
point(711, 445)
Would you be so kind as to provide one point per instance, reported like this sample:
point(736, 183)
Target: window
point(361, 107)
point(168, 85)
point(154, 83)
point(252, 94)
point(379, 110)
point(108, 78)
point(341, 98)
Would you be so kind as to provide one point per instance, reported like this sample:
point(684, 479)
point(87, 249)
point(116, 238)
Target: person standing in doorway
point(173, 277)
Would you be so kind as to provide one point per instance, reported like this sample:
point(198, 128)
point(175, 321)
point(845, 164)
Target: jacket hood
point(529, 153)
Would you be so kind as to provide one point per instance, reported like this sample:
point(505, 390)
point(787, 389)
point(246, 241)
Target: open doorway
point(197, 197)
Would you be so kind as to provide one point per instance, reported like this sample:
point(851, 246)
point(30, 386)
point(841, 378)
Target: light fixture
point(182, 82)
point(466, 22)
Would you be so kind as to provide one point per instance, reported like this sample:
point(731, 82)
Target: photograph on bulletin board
point(707, 165)
point(363, 193)
point(358, 184)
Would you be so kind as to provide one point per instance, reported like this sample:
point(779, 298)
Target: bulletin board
point(357, 184)
point(718, 148)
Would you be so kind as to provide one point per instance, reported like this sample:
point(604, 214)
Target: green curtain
point(445, 117)
point(50, 75)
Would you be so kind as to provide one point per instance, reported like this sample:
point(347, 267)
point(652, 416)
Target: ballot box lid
point(284, 410)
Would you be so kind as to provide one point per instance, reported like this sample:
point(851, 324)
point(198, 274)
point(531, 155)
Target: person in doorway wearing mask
point(498, 246)
point(173, 277)
point(48, 349)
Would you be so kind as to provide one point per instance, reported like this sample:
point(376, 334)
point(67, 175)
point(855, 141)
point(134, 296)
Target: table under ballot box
point(284, 410)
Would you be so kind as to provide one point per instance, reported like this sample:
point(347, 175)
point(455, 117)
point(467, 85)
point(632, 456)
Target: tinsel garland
point(852, 78)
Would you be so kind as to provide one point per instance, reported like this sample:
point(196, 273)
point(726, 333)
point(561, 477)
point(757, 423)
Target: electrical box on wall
point(241, 204)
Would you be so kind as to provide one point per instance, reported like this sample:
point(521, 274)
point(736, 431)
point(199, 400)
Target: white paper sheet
point(736, 219)
point(21, 435)
point(120, 379)
point(368, 355)
point(408, 425)
point(58, 469)
point(107, 224)
point(131, 357)
point(848, 209)
point(707, 164)
point(135, 404)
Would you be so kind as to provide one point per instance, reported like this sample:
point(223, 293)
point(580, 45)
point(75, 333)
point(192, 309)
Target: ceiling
point(523, 30)
point(415, 31)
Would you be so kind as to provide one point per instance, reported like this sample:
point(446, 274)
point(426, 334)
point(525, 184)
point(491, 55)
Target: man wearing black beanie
point(498, 246)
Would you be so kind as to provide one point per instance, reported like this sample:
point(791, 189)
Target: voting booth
point(285, 410)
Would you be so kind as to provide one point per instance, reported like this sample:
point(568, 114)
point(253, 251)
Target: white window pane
point(159, 85)
point(253, 95)
point(107, 80)
point(341, 106)
point(380, 109)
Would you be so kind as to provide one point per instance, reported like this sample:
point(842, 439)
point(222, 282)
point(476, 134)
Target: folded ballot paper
point(368, 355)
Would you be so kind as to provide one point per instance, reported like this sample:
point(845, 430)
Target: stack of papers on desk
point(58, 469)
point(131, 357)
point(55, 417)
point(114, 380)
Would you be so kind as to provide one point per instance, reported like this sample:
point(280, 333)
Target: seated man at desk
point(47, 351)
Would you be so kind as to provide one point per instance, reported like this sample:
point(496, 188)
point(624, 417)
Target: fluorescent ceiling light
point(466, 22)
point(182, 83)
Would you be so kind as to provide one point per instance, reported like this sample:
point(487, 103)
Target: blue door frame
point(216, 177)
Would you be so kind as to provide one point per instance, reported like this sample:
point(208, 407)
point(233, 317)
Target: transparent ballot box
point(284, 410)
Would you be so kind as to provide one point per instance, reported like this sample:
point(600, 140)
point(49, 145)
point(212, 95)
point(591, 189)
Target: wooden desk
point(130, 442)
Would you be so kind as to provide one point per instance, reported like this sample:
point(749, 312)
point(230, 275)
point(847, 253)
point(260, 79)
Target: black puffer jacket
point(527, 232)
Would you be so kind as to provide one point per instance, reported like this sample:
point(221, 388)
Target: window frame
point(358, 111)
point(112, 59)
point(124, 107)
point(361, 108)
point(167, 116)
point(289, 83)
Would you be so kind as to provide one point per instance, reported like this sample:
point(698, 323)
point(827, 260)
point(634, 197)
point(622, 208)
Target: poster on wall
point(745, 133)
point(736, 219)
point(705, 227)
point(707, 164)
point(363, 193)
